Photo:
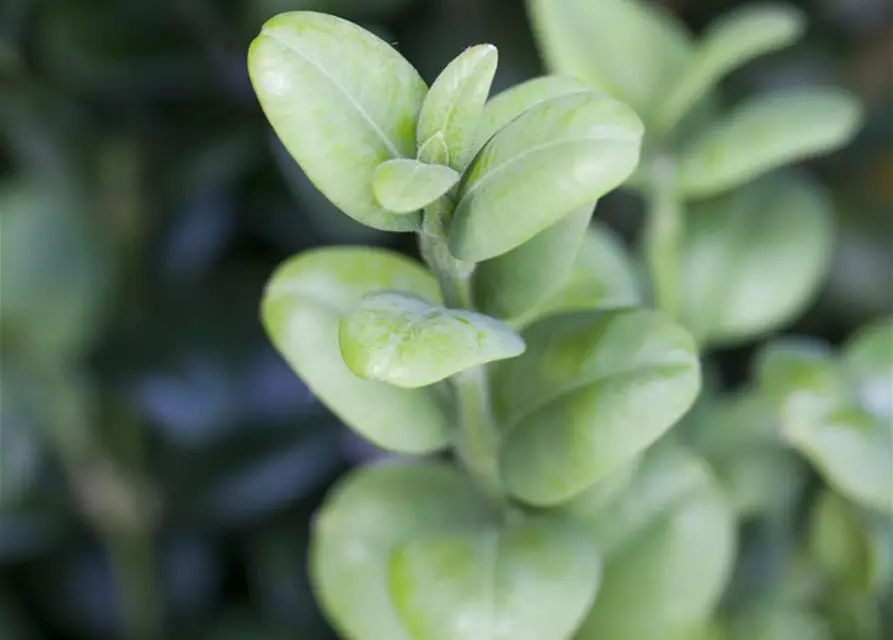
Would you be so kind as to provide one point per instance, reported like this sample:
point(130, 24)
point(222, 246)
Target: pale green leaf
point(364, 521)
point(781, 624)
point(513, 283)
point(868, 358)
point(405, 186)
point(530, 581)
point(408, 342)
point(454, 104)
point(765, 133)
point(556, 157)
point(840, 542)
point(754, 260)
point(669, 544)
point(592, 391)
point(627, 48)
point(302, 305)
point(342, 101)
point(733, 40)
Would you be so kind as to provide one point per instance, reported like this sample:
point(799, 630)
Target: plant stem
point(663, 235)
point(478, 441)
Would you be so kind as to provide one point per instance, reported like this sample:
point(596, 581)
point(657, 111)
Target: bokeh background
point(158, 460)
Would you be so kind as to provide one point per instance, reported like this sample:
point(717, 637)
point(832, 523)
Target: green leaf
point(556, 157)
point(601, 278)
point(765, 133)
point(342, 101)
point(754, 260)
point(405, 186)
point(624, 47)
point(669, 547)
point(730, 42)
point(531, 581)
point(408, 342)
point(868, 358)
point(781, 624)
point(302, 305)
point(513, 283)
point(592, 391)
point(454, 104)
point(840, 542)
point(511, 103)
point(365, 519)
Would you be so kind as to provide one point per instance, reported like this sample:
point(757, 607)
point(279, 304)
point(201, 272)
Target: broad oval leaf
point(752, 261)
point(342, 101)
point(405, 186)
point(513, 283)
point(530, 581)
point(765, 133)
point(556, 157)
point(511, 103)
point(669, 545)
point(302, 305)
point(364, 521)
point(626, 48)
point(868, 358)
point(454, 104)
point(408, 342)
point(592, 391)
point(731, 41)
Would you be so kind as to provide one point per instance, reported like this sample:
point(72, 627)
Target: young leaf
point(511, 103)
point(669, 546)
point(302, 305)
point(405, 186)
point(363, 521)
point(408, 342)
point(868, 358)
point(513, 283)
point(556, 157)
point(765, 133)
point(754, 260)
point(592, 391)
point(624, 47)
point(532, 581)
point(454, 104)
point(342, 101)
point(732, 41)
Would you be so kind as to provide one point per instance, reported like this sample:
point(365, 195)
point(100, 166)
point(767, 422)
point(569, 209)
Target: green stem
point(132, 557)
point(663, 235)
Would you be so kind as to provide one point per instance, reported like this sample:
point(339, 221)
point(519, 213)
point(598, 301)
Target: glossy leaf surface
point(342, 101)
point(669, 546)
point(556, 157)
point(530, 581)
point(407, 342)
point(754, 260)
point(765, 133)
point(302, 305)
point(405, 186)
point(365, 519)
point(592, 391)
point(513, 283)
point(627, 48)
point(454, 103)
point(730, 42)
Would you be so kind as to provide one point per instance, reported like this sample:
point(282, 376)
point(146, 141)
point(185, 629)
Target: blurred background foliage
point(159, 463)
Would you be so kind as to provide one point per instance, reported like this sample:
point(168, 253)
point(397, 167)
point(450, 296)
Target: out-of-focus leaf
point(625, 47)
point(731, 41)
point(342, 101)
point(754, 260)
point(405, 186)
point(868, 358)
point(302, 306)
point(364, 521)
point(765, 133)
point(591, 392)
point(407, 342)
point(781, 624)
point(454, 103)
point(840, 542)
point(530, 581)
point(556, 157)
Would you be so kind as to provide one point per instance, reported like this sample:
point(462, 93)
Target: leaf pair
point(408, 552)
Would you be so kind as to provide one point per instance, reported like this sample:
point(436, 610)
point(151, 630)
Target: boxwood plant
point(520, 377)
